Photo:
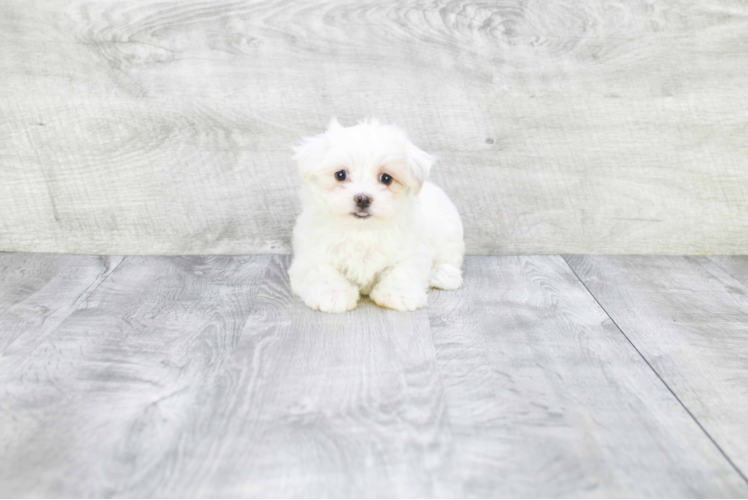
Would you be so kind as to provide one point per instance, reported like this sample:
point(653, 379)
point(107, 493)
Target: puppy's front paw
point(399, 299)
point(446, 277)
point(333, 300)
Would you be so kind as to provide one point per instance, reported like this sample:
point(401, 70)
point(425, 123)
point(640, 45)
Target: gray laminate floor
point(203, 376)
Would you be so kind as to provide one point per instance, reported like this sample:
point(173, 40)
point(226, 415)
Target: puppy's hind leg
point(445, 276)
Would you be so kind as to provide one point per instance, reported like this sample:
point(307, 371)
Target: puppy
point(370, 222)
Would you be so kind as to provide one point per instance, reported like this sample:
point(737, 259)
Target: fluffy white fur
point(408, 239)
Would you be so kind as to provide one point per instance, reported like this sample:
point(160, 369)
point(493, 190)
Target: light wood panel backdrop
point(571, 126)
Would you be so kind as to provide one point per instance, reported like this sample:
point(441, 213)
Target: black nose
point(362, 200)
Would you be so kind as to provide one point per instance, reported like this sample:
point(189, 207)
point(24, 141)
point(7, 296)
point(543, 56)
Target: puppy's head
point(368, 171)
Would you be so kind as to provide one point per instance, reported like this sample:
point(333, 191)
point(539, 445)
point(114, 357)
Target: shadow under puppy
point(371, 224)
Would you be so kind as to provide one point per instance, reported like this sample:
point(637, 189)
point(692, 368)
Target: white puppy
point(371, 224)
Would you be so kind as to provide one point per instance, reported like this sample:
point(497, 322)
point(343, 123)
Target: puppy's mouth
point(361, 214)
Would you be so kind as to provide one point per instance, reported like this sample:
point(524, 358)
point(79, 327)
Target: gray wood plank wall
point(560, 126)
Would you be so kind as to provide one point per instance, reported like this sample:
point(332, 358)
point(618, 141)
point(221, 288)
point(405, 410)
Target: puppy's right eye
point(341, 175)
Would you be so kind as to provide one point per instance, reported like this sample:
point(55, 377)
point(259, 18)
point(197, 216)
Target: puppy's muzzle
point(363, 201)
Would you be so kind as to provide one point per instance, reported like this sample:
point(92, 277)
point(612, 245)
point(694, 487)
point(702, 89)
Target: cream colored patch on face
point(396, 186)
point(339, 196)
point(327, 181)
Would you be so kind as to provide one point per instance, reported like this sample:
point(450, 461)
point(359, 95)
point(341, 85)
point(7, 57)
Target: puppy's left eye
point(341, 175)
point(385, 179)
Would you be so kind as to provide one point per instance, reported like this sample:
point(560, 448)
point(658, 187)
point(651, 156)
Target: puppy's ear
point(334, 125)
point(310, 153)
point(419, 166)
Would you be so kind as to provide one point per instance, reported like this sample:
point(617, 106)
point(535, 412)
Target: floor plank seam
point(693, 417)
point(440, 373)
point(73, 306)
point(721, 268)
point(92, 288)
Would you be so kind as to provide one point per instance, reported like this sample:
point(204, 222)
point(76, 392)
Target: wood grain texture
point(37, 293)
point(205, 377)
point(547, 398)
point(580, 127)
point(110, 404)
point(689, 319)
